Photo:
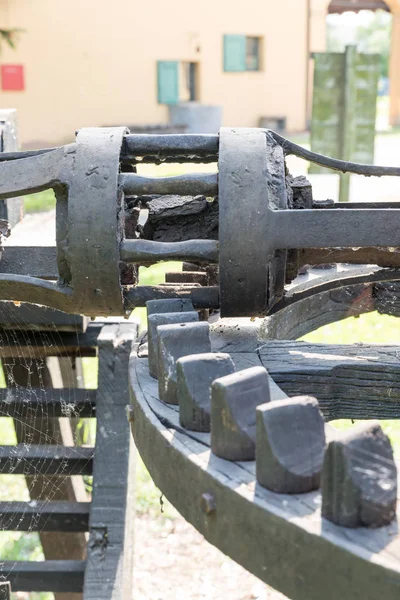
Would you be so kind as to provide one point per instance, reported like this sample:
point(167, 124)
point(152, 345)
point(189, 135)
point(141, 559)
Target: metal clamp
point(251, 179)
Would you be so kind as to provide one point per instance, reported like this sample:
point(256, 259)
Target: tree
point(370, 32)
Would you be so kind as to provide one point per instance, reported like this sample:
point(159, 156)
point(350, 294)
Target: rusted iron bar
point(183, 185)
point(147, 252)
point(155, 148)
point(331, 229)
point(195, 147)
point(6, 156)
point(201, 297)
point(333, 163)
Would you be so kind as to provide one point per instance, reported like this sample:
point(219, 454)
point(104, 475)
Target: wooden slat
point(5, 591)
point(22, 403)
point(33, 317)
point(350, 382)
point(45, 460)
point(42, 515)
point(110, 548)
point(47, 373)
point(31, 344)
point(44, 576)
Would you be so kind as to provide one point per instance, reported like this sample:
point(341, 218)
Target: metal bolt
point(208, 504)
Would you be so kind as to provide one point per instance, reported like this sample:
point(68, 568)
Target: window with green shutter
point(168, 81)
point(241, 53)
point(234, 53)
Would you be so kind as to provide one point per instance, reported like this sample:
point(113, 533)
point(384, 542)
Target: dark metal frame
point(92, 247)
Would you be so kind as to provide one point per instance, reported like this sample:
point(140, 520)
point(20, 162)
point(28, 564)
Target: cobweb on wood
point(30, 378)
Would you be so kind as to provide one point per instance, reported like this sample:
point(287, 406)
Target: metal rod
point(202, 297)
point(144, 252)
point(195, 146)
point(6, 156)
point(333, 163)
point(334, 228)
point(191, 184)
point(160, 147)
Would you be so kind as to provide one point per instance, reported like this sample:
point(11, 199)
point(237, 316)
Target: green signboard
point(344, 109)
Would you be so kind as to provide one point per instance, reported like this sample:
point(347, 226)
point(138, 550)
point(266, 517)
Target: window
point(176, 81)
point(168, 81)
point(252, 54)
point(241, 53)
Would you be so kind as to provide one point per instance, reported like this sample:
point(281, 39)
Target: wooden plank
point(34, 344)
point(44, 515)
point(263, 531)
point(109, 560)
point(45, 374)
point(51, 460)
point(5, 591)
point(44, 576)
point(23, 403)
point(316, 311)
point(350, 382)
point(32, 317)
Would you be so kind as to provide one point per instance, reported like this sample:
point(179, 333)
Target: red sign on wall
point(12, 78)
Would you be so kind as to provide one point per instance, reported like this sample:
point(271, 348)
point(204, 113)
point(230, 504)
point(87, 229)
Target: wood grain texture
point(44, 515)
point(56, 575)
point(108, 573)
point(357, 381)
point(281, 539)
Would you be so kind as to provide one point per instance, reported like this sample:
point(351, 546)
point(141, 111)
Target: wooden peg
point(195, 375)
point(290, 444)
point(234, 399)
point(175, 341)
point(359, 478)
point(153, 322)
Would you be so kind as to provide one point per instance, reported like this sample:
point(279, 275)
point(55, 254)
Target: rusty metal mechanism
point(223, 412)
point(252, 218)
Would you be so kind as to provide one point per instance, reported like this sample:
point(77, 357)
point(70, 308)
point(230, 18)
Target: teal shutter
point(168, 81)
point(234, 53)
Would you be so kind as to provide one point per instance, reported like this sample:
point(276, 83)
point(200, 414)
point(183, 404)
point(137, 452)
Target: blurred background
point(184, 67)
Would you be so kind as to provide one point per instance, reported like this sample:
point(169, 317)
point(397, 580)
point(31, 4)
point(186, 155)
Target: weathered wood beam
point(33, 402)
point(350, 382)
point(43, 576)
point(44, 515)
point(52, 460)
point(110, 547)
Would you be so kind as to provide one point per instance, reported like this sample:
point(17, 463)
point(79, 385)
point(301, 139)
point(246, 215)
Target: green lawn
point(41, 202)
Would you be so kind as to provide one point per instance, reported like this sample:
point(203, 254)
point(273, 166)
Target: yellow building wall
point(93, 62)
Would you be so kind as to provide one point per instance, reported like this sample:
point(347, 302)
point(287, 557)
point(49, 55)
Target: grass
point(40, 202)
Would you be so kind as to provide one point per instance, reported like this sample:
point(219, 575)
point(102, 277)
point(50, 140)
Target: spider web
point(29, 375)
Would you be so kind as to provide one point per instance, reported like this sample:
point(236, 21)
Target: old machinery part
point(254, 220)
